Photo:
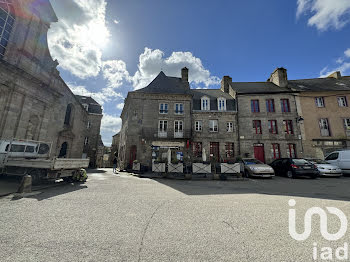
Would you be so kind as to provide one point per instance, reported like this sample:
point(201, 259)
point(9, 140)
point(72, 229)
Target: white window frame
point(346, 122)
point(88, 125)
point(342, 101)
point(86, 141)
point(205, 106)
point(86, 106)
point(212, 125)
point(198, 126)
point(179, 105)
point(229, 126)
point(162, 131)
point(221, 104)
point(178, 128)
point(323, 122)
point(164, 105)
point(319, 101)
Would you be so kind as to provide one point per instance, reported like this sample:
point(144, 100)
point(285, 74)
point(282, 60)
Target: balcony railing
point(162, 134)
point(178, 135)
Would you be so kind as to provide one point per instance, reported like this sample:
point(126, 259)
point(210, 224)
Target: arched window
point(7, 20)
point(67, 118)
point(221, 104)
point(205, 103)
point(32, 128)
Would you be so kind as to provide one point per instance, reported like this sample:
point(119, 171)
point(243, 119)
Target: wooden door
point(214, 151)
point(259, 152)
point(133, 154)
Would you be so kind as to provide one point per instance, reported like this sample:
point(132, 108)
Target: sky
point(106, 48)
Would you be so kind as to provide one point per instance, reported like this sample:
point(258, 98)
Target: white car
point(326, 169)
point(341, 159)
point(256, 168)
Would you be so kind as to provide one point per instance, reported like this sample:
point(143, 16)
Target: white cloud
point(116, 21)
point(114, 71)
point(151, 62)
point(105, 95)
point(77, 39)
point(120, 106)
point(111, 123)
point(325, 14)
point(347, 52)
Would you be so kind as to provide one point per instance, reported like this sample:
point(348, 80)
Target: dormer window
point(221, 104)
point(86, 106)
point(205, 103)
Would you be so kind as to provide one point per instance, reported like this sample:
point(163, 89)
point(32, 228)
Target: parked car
point(340, 159)
point(256, 168)
point(325, 168)
point(294, 167)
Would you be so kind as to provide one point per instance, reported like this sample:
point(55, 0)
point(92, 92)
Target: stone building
point(322, 103)
point(114, 148)
point(268, 122)
point(92, 141)
point(35, 103)
point(167, 114)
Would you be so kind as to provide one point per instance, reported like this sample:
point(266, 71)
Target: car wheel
point(290, 174)
point(246, 174)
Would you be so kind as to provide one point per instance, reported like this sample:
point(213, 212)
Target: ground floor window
point(275, 151)
point(197, 149)
point(291, 152)
point(229, 150)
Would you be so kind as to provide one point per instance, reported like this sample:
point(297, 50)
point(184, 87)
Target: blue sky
point(106, 48)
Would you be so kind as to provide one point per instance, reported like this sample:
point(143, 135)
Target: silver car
point(256, 168)
point(325, 168)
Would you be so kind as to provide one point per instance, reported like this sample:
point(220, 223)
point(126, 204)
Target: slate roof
point(320, 84)
point(94, 107)
point(163, 84)
point(257, 88)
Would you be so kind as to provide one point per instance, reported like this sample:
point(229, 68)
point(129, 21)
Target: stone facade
point(35, 103)
point(93, 145)
point(163, 116)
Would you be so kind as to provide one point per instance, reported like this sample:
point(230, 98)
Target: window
point(255, 106)
point(270, 105)
point(162, 128)
point(67, 118)
point(333, 156)
point(178, 128)
point(275, 151)
point(288, 127)
point(229, 127)
point(163, 108)
point(291, 153)
point(29, 149)
point(7, 19)
point(257, 126)
point(229, 150)
point(205, 103)
point(198, 126)
point(86, 141)
point(179, 109)
point(221, 104)
point(285, 105)
point(197, 149)
point(273, 127)
point(213, 126)
point(347, 124)
point(319, 101)
point(342, 102)
point(17, 148)
point(86, 106)
point(324, 127)
point(88, 125)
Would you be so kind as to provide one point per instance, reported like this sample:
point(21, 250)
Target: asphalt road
point(125, 218)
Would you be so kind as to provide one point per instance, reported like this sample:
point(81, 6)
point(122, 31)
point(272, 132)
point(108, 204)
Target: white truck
point(25, 157)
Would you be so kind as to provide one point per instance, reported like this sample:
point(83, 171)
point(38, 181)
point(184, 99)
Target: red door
point(133, 151)
point(214, 151)
point(259, 152)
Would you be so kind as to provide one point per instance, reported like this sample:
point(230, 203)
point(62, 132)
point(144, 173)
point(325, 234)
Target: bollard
point(26, 185)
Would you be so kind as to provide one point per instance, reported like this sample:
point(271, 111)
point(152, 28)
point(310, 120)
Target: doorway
point(133, 154)
point(214, 151)
point(259, 152)
point(63, 151)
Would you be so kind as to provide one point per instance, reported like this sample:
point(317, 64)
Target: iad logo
point(326, 253)
point(323, 222)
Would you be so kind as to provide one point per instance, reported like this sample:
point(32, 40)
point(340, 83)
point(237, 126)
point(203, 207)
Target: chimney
point(279, 77)
point(184, 74)
point(336, 75)
point(225, 84)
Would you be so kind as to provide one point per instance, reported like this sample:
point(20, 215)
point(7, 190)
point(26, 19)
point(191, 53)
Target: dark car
point(294, 167)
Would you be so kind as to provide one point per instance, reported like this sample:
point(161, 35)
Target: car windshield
point(301, 162)
point(251, 161)
point(318, 161)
